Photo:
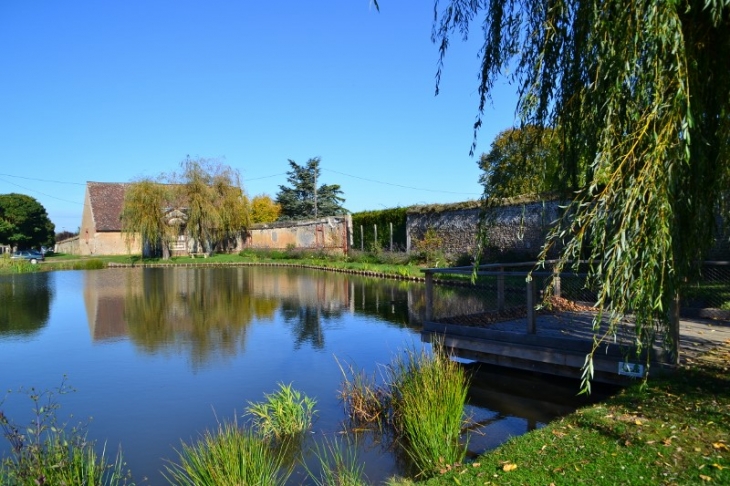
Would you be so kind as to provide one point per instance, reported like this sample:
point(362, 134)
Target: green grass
point(429, 395)
point(285, 413)
point(229, 456)
point(7, 265)
point(676, 430)
point(339, 464)
point(421, 406)
point(47, 452)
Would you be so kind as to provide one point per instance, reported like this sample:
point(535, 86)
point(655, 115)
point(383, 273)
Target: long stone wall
point(332, 234)
point(517, 231)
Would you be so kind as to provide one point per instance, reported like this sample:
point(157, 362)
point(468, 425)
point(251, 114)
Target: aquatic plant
point(284, 413)
point(339, 464)
point(47, 452)
point(428, 397)
point(230, 455)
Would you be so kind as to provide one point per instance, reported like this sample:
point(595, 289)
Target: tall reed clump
point(46, 452)
point(429, 395)
point(285, 413)
point(421, 404)
point(231, 455)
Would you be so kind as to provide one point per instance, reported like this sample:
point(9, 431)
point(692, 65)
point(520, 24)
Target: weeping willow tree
point(205, 201)
point(640, 90)
point(142, 221)
point(217, 208)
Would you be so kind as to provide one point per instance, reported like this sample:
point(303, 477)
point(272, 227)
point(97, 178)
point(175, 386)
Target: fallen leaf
point(476, 464)
point(720, 446)
point(638, 422)
point(718, 466)
point(705, 478)
point(509, 467)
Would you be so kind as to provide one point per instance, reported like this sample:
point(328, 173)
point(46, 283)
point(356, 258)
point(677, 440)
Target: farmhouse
point(100, 232)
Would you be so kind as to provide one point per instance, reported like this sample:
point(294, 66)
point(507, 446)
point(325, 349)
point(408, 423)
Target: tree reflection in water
point(26, 302)
point(203, 310)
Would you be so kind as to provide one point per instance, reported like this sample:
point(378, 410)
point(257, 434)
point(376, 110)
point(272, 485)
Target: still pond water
point(157, 356)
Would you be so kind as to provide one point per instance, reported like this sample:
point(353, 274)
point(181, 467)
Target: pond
point(156, 356)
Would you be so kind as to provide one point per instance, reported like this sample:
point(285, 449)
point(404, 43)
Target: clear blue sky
point(113, 90)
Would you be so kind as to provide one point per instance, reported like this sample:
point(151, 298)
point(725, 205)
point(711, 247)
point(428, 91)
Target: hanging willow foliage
point(641, 91)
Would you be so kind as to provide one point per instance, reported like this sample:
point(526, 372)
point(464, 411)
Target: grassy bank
point(676, 430)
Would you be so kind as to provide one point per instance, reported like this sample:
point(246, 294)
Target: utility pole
point(315, 191)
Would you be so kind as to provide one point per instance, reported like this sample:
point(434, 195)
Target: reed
point(47, 452)
point(228, 456)
point(339, 464)
point(284, 413)
point(428, 398)
point(366, 402)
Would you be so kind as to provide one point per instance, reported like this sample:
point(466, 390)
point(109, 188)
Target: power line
point(399, 185)
point(39, 192)
point(42, 180)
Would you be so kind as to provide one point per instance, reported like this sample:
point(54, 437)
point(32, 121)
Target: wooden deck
point(560, 342)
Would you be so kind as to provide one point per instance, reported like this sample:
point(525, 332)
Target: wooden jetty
point(551, 343)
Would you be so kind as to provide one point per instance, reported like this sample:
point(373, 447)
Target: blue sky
point(111, 91)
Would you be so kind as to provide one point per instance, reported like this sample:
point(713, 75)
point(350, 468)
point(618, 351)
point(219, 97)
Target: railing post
point(674, 328)
point(500, 290)
point(531, 328)
point(556, 282)
point(391, 237)
point(429, 296)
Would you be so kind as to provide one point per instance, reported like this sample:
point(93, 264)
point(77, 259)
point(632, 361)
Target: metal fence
point(503, 292)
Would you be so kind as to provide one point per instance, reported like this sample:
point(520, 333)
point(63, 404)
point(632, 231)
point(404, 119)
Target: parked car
point(31, 255)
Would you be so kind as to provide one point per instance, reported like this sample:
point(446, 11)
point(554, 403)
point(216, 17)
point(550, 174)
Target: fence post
point(429, 296)
point(674, 328)
point(375, 236)
point(391, 237)
point(531, 328)
point(500, 289)
point(556, 282)
point(362, 238)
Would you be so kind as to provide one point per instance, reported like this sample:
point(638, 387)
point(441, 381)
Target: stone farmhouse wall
point(517, 231)
point(68, 246)
point(332, 234)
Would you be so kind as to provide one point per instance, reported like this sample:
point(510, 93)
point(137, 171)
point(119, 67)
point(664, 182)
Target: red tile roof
point(107, 200)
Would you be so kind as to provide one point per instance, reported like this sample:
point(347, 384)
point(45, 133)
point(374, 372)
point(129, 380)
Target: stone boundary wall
point(69, 246)
point(518, 230)
point(331, 234)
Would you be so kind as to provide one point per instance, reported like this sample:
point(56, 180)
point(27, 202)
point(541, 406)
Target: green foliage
point(429, 248)
point(229, 456)
point(205, 202)
point(429, 398)
point(284, 413)
point(521, 161)
point(216, 207)
point(339, 464)
point(383, 219)
point(144, 202)
point(48, 452)
point(303, 199)
point(422, 402)
point(639, 90)
point(7, 265)
point(24, 222)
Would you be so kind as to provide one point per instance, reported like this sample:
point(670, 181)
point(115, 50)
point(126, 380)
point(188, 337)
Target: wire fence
point(502, 292)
